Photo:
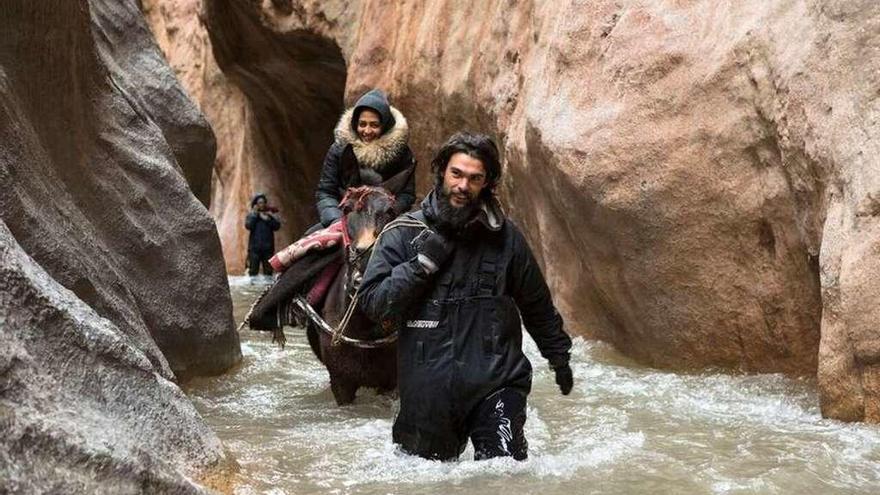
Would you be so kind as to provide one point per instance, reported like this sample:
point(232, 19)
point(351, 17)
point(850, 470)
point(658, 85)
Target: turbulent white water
point(624, 429)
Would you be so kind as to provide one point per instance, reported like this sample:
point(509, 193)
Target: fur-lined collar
point(380, 152)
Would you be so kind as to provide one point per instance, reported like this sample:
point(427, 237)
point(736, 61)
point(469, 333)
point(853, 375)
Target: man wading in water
point(451, 277)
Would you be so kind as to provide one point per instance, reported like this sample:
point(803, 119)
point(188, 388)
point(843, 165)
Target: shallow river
point(625, 429)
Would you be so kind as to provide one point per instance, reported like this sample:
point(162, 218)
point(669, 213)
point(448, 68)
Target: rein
point(325, 327)
point(338, 332)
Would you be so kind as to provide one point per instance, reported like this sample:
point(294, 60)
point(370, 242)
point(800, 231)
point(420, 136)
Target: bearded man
point(453, 278)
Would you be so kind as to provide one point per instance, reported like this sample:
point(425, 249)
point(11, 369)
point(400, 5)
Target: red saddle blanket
point(318, 240)
point(329, 238)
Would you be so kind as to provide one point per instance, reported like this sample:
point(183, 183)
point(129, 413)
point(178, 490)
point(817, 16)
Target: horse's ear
point(347, 203)
point(398, 181)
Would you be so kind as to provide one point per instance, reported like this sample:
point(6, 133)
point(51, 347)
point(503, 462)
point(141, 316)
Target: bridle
point(355, 201)
point(402, 221)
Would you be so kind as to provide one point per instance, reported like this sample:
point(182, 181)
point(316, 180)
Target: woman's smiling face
point(369, 125)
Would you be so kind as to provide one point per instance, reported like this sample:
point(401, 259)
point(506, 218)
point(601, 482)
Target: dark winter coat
point(262, 237)
point(351, 162)
point(460, 334)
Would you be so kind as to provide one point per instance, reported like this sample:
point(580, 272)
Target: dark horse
point(356, 353)
point(353, 349)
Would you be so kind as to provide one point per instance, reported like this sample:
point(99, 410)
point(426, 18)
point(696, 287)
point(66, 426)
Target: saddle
point(308, 266)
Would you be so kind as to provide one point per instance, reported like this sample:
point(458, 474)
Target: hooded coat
point(460, 337)
point(351, 162)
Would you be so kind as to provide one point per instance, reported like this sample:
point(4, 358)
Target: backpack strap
point(487, 276)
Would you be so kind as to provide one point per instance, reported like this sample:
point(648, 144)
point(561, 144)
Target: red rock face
point(273, 102)
point(696, 178)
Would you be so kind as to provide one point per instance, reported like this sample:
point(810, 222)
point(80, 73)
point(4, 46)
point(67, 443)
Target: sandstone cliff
point(273, 108)
point(111, 278)
point(698, 178)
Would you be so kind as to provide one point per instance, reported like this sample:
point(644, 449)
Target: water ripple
point(624, 429)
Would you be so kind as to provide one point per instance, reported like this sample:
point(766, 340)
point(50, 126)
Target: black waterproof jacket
point(388, 160)
point(262, 237)
point(460, 329)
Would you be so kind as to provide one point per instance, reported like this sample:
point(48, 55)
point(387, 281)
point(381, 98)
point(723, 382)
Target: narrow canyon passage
point(272, 140)
point(699, 182)
point(625, 429)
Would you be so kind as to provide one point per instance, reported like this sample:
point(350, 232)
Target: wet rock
point(82, 408)
point(96, 137)
point(698, 179)
point(111, 281)
point(140, 73)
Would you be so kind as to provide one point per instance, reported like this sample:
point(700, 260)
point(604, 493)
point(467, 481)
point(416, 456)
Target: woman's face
point(369, 127)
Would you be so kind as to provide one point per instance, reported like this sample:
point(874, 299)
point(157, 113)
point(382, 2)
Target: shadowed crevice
point(294, 83)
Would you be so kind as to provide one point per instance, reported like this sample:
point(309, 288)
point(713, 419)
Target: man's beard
point(451, 218)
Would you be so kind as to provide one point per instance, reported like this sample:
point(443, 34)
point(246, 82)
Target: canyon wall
point(698, 179)
point(272, 100)
point(112, 284)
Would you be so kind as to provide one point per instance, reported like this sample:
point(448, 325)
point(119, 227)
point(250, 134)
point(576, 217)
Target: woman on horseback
point(371, 148)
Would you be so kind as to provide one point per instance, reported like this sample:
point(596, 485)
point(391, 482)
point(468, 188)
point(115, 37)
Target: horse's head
point(367, 210)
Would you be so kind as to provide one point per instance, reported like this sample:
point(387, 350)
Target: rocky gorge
point(112, 285)
point(698, 179)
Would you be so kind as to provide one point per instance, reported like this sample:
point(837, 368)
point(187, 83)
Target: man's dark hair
point(479, 146)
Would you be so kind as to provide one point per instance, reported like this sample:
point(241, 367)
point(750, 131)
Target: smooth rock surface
point(111, 279)
point(94, 190)
point(82, 409)
point(699, 179)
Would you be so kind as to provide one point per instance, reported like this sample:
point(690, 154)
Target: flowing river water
point(625, 429)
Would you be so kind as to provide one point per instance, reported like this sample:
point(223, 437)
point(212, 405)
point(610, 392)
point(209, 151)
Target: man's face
point(261, 204)
point(369, 126)
point(463, 180)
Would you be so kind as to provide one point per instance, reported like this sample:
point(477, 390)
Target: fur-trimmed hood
point(380, 152)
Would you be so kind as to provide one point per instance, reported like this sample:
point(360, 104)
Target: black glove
point(436, 248)
point(564, 378)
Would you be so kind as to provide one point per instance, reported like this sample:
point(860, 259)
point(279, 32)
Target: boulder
point(112, 285)
point(82, 408)
point(94, 133)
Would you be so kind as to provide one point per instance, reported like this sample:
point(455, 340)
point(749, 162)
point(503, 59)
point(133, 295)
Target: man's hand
point(436, 249)
point(564, 378)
